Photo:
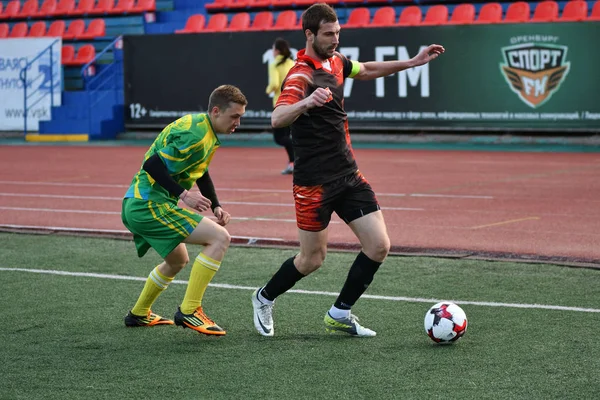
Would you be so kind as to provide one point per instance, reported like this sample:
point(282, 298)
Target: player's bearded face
point(326, 40)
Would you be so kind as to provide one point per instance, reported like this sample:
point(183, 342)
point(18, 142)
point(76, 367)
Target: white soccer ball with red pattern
point(445, 322)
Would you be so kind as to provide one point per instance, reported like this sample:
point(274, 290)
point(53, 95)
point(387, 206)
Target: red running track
point(538, 206)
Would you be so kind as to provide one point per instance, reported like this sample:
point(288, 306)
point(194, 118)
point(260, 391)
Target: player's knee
point(379, 250)
point(308, 263)
point(179, 264)
point(223, 239)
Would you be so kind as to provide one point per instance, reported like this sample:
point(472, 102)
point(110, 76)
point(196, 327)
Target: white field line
point(312, 292)
point(250, 190)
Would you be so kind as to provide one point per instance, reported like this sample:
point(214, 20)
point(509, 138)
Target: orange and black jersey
point(322, 147)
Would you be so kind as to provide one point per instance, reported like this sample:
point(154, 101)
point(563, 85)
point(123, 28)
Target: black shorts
point(350, 197)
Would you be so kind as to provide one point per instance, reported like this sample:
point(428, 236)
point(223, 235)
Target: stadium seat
point(286, 20)
point(38, 29)
point(436, 15)
point(67, 54)
point(575, 10)
point(194, 24)
point(75, 29)
point(12, 9)
point(96, 28)
point(239, 22)
point(30, 9)
point(64, 7)
point(463, 14)
point(217, 5)
point(490, 13)
point(239, 4)
point(1, 8)
point(85, 54)
point(3, 30)
point(83, 7)
point(359, 18)
point(103, 7)
point(595, 15)
point(545, 11)
point(410, 16)
point(56, 29)
point(384, 16)
point(19, 30)
point(262, 21)
point(122, 7)
point(517, 12)
point(47, 8)
point(283, 3)
point(144, 6)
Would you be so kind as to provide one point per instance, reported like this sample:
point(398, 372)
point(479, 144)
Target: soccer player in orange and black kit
point(326, 176)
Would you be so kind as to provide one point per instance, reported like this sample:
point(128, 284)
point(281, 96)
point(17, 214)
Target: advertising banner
point(509, 77)
point(43, 76)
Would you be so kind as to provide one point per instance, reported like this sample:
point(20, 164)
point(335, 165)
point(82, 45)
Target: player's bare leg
point(372, 233)
point(216, 241)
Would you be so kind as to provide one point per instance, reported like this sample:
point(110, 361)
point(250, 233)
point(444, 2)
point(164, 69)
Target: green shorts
point(162, 226)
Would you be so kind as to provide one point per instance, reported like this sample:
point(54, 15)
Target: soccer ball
point(445, 322)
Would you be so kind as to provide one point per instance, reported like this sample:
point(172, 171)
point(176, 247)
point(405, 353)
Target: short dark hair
point(317, 14)
point(225, 94)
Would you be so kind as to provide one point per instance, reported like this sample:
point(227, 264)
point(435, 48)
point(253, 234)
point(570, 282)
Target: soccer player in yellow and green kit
point(178, 158)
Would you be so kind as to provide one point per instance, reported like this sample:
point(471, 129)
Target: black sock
point(359, 278)
point(282, 281)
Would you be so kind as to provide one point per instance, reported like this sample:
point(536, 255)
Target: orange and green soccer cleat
point(134, 321)
point(198, 321)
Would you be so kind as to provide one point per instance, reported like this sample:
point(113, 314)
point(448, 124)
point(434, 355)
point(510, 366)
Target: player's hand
point(195, 200)
point(430, 53)
point(319, 97)
point(223, 216)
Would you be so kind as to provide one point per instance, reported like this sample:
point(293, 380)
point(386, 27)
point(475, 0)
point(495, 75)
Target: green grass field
point(64, 336)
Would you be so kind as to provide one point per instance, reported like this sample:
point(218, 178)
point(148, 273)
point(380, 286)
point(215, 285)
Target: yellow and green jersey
point(186, 147)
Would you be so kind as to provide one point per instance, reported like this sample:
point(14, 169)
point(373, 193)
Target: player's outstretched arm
point(285, 115)
point(378, 69)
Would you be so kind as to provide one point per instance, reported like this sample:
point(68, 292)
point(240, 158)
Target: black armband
point(205, 184)
point(159, 172)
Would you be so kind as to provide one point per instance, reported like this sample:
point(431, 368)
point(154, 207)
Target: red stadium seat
point(217, 5)
point(384, 16)
point(239, 22)
point(85, 54)
point(75, 29)
point(410, 16)
point(96, 28)
point(38, 29)
point(262, 21)
point(56, 29)
point(283, 3)
point(3, 30)
point(286, 20)
point(19, 30)
point(517, 12)
point(47, 8)
point(595, 15)
point(216, 23)
point(12, 9)
point(67, 54)
point(144, 6)
point(122, 7)
point(490, 13)
point(194, 24)
point(359, 18)
point(545, 11)
point(1, 7)
point(104, 7)
point(83, 7)
point(30, 9)
point(463, 14)
point(436, 15)
point(575, 10)
point(239, 4)
point(64, 7)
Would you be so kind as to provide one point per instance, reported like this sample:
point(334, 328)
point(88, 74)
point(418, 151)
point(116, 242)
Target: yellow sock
point(203, 270)
point(155, 285)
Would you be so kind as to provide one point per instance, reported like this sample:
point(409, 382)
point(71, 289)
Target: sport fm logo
point(535, 71)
